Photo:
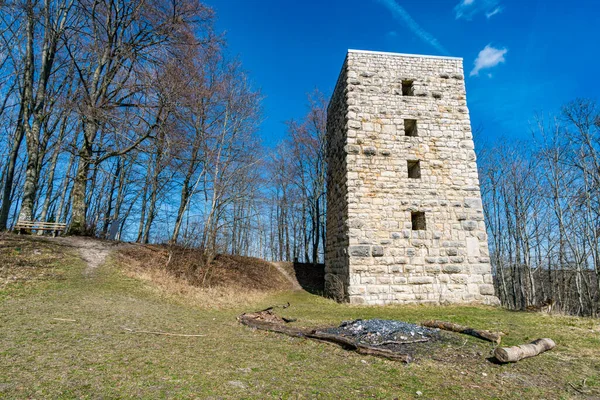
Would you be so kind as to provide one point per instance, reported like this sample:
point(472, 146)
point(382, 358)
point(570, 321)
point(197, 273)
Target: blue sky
point(532, 55)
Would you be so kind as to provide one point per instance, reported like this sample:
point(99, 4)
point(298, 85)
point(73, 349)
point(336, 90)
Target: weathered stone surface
point(452, 269)
point(369, 151)
point(469, 225)
point(473, 203)
point(359, 251)
point(377, 251)
point(352, 149)
point(373, 254)
point(486, 289)
point(420, 280)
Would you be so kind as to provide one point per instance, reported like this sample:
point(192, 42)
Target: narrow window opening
point(418, 220)
point(414, 169)
point(407, 88)
point(410, 127)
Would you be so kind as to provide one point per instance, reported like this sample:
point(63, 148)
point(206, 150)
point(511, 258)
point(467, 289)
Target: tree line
point(542, 206)
point(128, 117)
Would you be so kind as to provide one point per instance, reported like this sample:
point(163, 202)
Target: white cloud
point(467, 9)
point(488, 57)
point(403, 16)
point(495, 11)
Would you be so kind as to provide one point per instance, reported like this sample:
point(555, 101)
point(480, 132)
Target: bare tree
point(307, 146)
point(117, 42)
point(48, 21)
point(199, 115)
point(541, 204)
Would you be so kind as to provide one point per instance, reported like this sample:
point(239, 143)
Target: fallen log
point(266, 315)
point(256, 321)
point(249, 320)
point(494, 337)
point(517, 353)
point(359, 348)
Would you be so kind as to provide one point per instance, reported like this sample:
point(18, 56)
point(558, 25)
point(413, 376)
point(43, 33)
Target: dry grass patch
point(182, 274)
point(166, 285)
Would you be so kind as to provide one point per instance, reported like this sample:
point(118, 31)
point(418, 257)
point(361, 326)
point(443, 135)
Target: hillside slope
point(224, 271)
point(72, 334)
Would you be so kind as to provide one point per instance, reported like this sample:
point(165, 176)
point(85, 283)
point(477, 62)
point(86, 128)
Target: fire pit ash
point(381, 332)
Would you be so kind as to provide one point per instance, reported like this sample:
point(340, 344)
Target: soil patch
point(92, 251)
point(191, 266)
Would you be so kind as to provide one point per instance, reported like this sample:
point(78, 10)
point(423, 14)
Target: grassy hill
point(66, 332)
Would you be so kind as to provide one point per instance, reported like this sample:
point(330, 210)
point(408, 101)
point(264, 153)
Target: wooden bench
point(55, 227)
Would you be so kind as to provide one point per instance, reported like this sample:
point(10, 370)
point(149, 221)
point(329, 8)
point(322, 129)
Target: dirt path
point(92, 251)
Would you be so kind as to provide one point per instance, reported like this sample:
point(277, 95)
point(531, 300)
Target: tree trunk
point(107, 213)
point(51, 172)
point(144, 199)
point(61, 214)
point(316, 233)
point(78, 197)
point(31, 173)
point(124, 173)
point(10, 172)
point(494, 337)
point(153, 193)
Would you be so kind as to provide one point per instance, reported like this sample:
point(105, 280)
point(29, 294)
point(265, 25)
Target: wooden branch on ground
point(162, 333)
point(359, 348)
point(253, 320)
point(266, 315)
point(401, 342)
point(494, 337)
point(517, 353)
point(248, 320)
point(286, 305)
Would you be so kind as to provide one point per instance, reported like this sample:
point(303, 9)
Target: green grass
point(93, 357)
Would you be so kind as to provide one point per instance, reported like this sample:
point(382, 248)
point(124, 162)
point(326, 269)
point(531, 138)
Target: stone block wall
point(337, 276)
point(404, 213)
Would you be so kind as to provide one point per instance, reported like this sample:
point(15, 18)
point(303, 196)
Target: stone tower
point(404, 214)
